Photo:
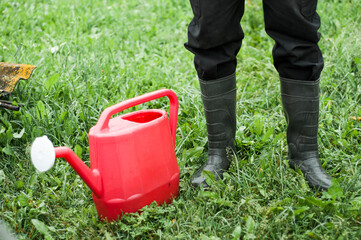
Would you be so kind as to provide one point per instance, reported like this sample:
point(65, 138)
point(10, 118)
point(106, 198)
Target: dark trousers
point(215, 37)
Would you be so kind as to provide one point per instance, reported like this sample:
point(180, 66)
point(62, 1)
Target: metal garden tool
point(10, 74)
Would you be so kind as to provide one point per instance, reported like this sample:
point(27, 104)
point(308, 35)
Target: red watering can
point(132, 157)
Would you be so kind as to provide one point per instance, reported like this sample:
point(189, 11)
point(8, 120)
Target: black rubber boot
point(301, 105)
point(219, 100)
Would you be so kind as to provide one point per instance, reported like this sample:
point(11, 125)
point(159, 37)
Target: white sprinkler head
point(42, 154)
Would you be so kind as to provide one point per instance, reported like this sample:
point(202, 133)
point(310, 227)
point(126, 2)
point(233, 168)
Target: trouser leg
point(215, 36)
point(294, 24)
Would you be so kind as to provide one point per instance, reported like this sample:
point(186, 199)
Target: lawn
point(93, 54)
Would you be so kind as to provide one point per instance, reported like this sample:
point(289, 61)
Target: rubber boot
point(219, 100)
point(301, 105)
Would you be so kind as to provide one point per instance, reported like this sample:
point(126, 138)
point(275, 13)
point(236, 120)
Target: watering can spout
point(91, 177)
point(43, 155)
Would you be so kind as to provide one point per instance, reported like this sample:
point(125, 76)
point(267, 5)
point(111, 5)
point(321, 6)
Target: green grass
point(93, 54)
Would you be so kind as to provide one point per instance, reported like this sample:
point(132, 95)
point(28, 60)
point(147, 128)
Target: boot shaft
point(301, 105)
point(219, 100)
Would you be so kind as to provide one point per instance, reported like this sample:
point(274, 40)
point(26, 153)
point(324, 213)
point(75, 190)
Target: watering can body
point(132, 157)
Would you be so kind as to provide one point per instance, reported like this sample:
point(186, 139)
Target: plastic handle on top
point(104, 118)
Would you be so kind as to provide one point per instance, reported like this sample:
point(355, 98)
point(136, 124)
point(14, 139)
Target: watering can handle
point(103, 121)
